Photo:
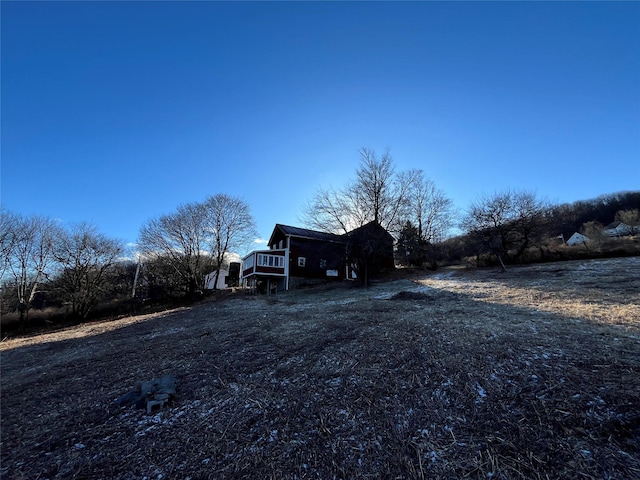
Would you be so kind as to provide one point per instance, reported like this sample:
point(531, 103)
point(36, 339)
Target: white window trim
point(274, 261)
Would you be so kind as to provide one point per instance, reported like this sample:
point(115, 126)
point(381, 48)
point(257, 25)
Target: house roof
point(368, 229)
point(371, 228)
point(304, 233)
point(577, 238)
point(578, 235)
point(614, 225)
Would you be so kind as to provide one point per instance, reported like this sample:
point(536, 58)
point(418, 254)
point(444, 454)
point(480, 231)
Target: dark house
point(370, 250)
point(298, 256)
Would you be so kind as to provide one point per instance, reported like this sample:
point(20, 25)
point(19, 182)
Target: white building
point(577, 239)
point(210, 278)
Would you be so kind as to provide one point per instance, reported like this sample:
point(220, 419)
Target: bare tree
point(8, 234)
point(84, 256)
point(334, 211)
point(376, 194)
point(180, 239)
point(506, 223)
point(631, 217)
point(198, 237)
point(594, 231)
point(27, 245)
point(374, 184)
point(429, 209)
point(229, 226)
point(532, 220)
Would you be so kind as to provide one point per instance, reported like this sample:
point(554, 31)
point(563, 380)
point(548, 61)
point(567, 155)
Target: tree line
point(44, 263)
point(77, 268)
point(517, 227)
point(73, 270)
point(503, 227)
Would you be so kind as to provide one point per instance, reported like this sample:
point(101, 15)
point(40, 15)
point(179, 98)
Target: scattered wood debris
point(152, 395)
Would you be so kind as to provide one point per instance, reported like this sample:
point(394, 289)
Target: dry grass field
point(528, 374)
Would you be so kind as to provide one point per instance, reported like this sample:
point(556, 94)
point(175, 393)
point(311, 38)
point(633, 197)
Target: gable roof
point(371, 228)
point(290, 231)
point(616, 225)
point(577, 238)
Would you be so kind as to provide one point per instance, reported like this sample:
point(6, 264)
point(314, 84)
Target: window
point(270, 260)
point(323, 264)
point(302, 261)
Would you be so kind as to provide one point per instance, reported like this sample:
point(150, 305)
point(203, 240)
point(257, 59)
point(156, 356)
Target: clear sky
point(116, 112)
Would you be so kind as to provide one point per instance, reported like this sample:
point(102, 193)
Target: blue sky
point(117, 112)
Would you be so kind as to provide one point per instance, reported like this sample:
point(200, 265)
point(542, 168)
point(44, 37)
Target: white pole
point(135, 280)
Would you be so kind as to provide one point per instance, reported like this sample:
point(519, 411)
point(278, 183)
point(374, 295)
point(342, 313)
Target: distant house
point(298, 256)
point(577, 239)
point(618, 229)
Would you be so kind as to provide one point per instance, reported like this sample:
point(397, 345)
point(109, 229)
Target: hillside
point(455, 374)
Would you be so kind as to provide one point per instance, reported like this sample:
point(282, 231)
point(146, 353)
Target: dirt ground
point(528, 374)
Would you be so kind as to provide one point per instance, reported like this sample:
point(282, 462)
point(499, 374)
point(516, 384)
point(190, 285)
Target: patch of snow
point(481, 391)
point(334, 382)
point(482, 394)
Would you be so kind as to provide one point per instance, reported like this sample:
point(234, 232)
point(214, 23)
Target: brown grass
point(531, 374)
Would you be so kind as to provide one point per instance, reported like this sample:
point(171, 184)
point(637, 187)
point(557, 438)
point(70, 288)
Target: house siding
point(326, 256)
point(314, 251)
point(373, 242)
point(254, 269)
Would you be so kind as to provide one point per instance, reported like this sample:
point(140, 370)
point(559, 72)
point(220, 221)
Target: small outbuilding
point(618, 229)
point(577, 239)
point(227, 278)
